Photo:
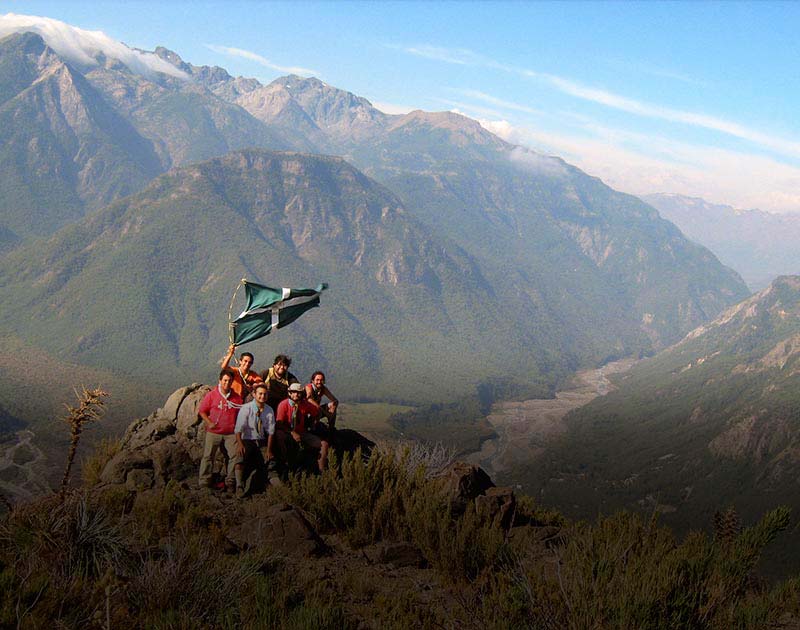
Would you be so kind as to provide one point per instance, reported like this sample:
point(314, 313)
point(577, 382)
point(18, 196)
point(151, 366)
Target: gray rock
point(187, 419)
point(118, 467)
point(139, 479)
point(153, 430)
point(281, 528)
point(170, 461)
point(170, 409)
point(497, 505)
point(463, 482)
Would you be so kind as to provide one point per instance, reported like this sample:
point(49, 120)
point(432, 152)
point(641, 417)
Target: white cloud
point(81, 47)
point(251, 56)
point(537, 163)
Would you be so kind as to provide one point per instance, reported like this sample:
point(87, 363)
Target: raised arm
point(226, 361)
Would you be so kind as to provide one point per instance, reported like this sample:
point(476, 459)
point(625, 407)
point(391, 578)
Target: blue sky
point(698, 98)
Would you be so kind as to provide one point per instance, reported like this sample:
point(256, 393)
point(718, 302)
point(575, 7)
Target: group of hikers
point(260, 421)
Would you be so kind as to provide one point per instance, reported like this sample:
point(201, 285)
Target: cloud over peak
point(82, 47)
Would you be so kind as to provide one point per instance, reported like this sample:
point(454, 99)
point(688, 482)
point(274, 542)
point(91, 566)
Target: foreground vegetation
point(104, 557)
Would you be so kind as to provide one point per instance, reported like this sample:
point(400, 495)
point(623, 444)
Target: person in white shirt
point(255, 428)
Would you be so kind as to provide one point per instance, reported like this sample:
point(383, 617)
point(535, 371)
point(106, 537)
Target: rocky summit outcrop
point(168, 444)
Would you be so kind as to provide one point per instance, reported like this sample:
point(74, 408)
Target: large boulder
point(170, 409)
point(165, 445)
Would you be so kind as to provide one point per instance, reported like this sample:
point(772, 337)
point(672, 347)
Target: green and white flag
point(269, 308)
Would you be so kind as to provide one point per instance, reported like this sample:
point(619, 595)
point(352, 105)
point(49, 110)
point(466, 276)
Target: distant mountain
point(711, 421)
point(759, 245)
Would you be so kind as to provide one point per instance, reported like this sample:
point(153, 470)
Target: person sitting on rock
point(244, 378)
point(295, 417)
point(218, 410)
point(255, 428)
point(278, 378)
point(315, 390)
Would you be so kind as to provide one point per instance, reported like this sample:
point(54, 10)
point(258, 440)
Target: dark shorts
point(253, 457)
point(322, 431)
point(310, 440)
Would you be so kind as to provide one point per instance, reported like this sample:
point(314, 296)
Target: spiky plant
point(90, 408)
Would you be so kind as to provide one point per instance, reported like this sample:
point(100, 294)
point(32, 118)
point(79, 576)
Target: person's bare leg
point(322, 462)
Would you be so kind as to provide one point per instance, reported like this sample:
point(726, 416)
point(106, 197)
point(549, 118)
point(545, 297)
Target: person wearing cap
point(218, 410)
point(244, 378)
point(255, 427)
point(296, 416)
point(278, 378)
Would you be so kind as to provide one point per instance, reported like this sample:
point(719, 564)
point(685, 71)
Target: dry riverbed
point(524, 428)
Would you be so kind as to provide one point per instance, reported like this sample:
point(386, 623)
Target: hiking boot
point(239, 493)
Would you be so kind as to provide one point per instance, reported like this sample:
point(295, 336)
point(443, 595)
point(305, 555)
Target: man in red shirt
point(295, 417)
point(244, 378)
point(218, 410)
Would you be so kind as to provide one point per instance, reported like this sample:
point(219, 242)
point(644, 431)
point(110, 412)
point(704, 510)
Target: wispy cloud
point(642, 67)
point(459, 56)
point(498, 102)
point(468, 109)
point(259, 59)
point(623, 103)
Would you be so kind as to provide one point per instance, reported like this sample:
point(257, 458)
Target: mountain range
point(759, 245)
point(135, 201)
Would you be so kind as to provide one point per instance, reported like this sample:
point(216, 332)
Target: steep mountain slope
point(759, 245)
point(715, 419)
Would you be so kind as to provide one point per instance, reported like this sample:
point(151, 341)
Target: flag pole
point(230, 309)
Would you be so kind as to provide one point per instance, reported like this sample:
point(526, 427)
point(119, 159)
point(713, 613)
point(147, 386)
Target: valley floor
point(525, 427)
point(22, 470)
